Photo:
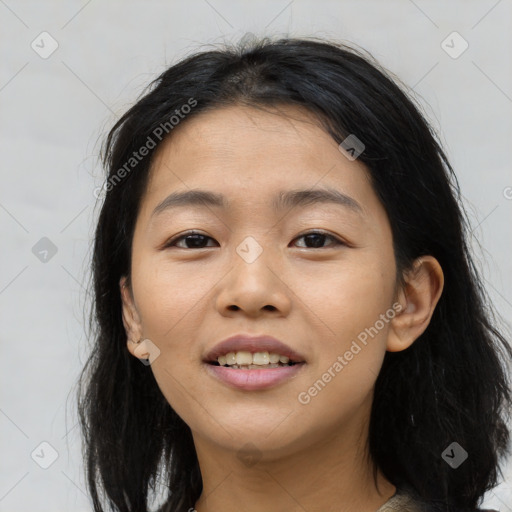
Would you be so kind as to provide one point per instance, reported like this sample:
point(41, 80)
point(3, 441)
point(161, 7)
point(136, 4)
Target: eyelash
point(173, 241)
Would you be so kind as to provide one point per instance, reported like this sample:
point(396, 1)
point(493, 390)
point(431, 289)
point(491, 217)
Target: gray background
point(55, 109)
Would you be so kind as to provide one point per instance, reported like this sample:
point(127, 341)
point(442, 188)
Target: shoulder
point(407, 500)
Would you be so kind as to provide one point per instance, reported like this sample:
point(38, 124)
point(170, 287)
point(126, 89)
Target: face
point(315, 274)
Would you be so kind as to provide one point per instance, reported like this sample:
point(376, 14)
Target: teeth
point(246, 360)
point(243, 358)
point(260, 358)
point(273, 358)
point(254, 366)
point(230, 358)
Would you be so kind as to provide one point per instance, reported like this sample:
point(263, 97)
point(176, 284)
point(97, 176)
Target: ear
point(131, 320)
point(418, 298)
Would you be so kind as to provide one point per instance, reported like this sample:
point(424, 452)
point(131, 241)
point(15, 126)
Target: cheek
point(354, 306)
point(366, 294)
point(349, 296)
point(171, 299)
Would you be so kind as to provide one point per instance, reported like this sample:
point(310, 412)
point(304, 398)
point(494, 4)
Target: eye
point(317, 237)
point(196, 240)
point(193, 238)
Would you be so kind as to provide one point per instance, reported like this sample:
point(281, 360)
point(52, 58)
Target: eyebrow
point(282, 200)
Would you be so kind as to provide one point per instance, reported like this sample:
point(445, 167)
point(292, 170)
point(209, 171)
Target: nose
point(254, 288)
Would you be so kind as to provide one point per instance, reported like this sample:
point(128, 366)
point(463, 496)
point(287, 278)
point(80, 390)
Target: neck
point(331, 475)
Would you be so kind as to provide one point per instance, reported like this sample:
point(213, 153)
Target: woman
point(243, 365)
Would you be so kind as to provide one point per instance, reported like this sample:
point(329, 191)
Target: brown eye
point(195, 240)
point(192, 239)
point(317, 238)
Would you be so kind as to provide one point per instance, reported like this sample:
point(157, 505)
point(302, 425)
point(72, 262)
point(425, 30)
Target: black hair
point(450, 386)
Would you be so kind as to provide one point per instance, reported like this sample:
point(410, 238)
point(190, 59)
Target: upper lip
point(249, 343)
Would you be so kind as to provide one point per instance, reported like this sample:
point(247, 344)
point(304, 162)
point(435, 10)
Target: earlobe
point(131, 319)
point(418, 298)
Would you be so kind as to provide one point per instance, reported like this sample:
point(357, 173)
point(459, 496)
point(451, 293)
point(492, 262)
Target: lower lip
point(251, 380)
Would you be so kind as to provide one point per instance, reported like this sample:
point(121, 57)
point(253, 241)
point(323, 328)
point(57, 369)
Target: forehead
point(243, 150)
point(237, 132)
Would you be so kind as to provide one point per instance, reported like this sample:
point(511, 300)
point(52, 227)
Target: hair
point(449, 385)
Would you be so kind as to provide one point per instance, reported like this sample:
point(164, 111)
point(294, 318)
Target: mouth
point(246, 351)
point(245, 360)
point(254, 377)
point(250, 363)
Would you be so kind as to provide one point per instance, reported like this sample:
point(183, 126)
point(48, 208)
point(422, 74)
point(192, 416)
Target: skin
point(315, 298)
